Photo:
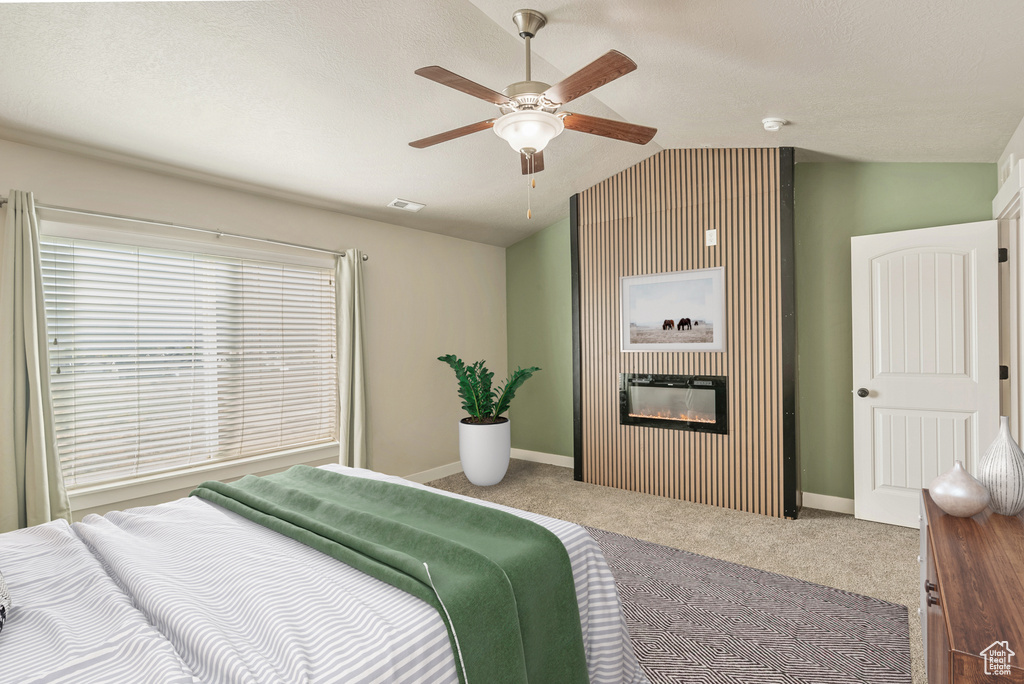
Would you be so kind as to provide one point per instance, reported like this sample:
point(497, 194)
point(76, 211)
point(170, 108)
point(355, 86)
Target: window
point(161, 359)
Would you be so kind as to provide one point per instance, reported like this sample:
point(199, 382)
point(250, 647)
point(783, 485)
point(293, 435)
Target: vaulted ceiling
point(316, 99)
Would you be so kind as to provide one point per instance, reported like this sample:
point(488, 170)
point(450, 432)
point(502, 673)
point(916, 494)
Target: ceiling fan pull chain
point(529, 188)
point(529, 211)
point(532, 160)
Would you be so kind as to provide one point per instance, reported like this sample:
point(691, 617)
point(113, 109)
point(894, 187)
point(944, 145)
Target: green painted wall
point(834, 202)
point(539, 310)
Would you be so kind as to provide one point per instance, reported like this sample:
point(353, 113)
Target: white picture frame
point(694, 302)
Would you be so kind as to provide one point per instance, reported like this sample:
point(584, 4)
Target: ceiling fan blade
point(538, 162)
point(452, 134)
point(620, 130)
point(453, 80)
point(602, 70)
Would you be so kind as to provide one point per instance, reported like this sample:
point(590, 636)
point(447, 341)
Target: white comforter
point(224, 599)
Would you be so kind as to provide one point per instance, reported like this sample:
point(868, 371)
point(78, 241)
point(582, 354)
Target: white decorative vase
point(958, 493)
point(1002, 472)
point(484, 451)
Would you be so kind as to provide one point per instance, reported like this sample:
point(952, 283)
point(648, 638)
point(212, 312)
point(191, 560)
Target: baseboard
point(824, 502)
point(521, 454)
point(541, 457)
point(435, 473)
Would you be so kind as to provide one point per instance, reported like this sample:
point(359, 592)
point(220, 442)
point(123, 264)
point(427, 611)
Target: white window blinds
point(161, 360)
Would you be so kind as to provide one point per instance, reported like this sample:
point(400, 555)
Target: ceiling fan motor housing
point(527, 95)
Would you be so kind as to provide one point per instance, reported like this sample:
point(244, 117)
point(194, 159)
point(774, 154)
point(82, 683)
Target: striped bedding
point(223, 599)
point(70, 622)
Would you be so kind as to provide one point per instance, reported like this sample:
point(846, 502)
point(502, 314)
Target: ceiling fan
point(530, 118)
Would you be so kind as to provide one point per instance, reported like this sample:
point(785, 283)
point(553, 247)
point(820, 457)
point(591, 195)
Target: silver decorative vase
point(958, 493)
point(1002, 472)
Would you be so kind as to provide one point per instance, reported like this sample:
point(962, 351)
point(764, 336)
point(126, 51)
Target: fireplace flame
point(665, 415)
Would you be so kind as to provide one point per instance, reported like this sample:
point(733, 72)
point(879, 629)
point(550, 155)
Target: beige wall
point(426, 295)
point(1015, 147)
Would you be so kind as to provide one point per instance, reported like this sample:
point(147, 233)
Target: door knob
point(863, 392)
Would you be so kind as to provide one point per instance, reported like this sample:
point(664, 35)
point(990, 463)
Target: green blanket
point(502, 584)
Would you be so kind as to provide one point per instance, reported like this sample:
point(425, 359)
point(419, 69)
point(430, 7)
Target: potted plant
point(485, 437)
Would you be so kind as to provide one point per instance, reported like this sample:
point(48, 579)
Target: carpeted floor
point(698, 619)
point(831, 549)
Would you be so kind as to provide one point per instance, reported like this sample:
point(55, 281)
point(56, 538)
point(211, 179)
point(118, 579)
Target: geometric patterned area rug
point(698, 619)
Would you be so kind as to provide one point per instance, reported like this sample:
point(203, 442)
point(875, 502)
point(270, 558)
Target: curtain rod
point(165, 224)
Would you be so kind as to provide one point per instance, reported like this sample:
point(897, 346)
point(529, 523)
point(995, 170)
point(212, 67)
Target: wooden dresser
point(972, 596)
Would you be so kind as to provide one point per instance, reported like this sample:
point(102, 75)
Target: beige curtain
point(31, 486)
point(348, 285)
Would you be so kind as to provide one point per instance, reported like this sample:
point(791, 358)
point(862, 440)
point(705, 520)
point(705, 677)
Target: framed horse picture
point(679, 311)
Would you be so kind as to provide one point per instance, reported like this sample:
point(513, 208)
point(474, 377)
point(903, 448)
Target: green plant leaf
point(469, 383)
point(479, 400)
point(486, 394)
point(507, 392)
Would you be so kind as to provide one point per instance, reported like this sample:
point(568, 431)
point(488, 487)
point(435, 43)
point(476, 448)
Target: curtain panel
point(351, 384)
point(31, 487)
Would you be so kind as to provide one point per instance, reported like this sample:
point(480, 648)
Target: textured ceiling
point(317, 98)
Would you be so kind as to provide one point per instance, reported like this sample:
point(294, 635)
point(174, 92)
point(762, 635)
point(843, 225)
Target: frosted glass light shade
point(528, 129)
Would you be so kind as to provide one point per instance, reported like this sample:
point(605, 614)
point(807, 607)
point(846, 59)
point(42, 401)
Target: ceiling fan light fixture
point(528, 129)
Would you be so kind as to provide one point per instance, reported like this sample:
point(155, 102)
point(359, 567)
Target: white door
point(925, 361)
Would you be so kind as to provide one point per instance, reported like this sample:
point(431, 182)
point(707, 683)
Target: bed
point(191, 592)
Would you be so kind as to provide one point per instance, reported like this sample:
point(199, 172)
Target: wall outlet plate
point(711, 237)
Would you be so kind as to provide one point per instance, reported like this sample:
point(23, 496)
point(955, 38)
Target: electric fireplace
point(678, 402)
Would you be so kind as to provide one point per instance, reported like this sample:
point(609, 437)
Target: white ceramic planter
point(484, 451)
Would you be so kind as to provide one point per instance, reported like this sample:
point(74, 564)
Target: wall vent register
point(698, 403)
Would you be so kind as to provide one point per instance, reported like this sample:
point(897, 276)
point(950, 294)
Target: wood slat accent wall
point(649, 219)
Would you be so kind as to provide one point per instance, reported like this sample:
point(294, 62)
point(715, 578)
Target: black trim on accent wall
point(790, 471)
point(577, 372)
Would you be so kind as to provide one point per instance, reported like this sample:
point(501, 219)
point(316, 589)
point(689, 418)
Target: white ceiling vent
point(405, 205)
